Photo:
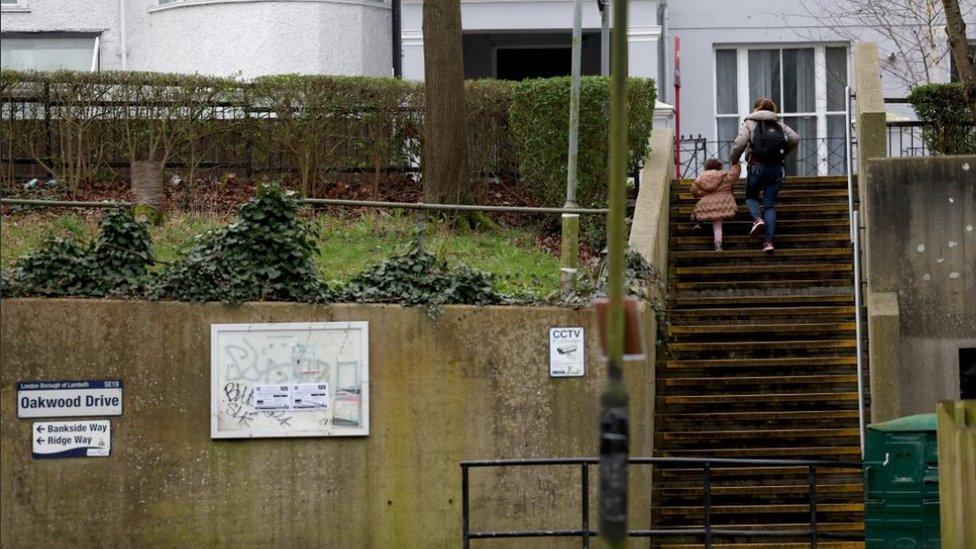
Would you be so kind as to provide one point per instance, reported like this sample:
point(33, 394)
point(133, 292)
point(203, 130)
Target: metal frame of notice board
point(247, 361)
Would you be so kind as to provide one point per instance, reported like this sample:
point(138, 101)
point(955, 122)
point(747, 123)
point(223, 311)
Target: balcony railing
point(813, 156)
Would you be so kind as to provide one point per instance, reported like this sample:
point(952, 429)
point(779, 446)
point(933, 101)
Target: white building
point(731, 52)
point(222, 37)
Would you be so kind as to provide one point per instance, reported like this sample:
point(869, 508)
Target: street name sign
point(78, 438)
point(69, 398)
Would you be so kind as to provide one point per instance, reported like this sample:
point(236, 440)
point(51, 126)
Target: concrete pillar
point(884, 338)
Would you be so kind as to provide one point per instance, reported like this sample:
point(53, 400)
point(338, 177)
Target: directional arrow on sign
point(40, 440)
point(40, 428)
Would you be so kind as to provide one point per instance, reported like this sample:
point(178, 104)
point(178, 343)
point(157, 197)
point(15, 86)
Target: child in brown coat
point(716, 203)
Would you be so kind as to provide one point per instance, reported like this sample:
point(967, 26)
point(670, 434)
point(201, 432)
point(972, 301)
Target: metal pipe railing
point(63, 203)
point(707, 532)
point(849, 147)
point(857, 326)
point(332, 202)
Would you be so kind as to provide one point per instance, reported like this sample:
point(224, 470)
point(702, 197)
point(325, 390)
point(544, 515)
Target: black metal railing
point(813, 156)
point(707, 532)
point(916, 137)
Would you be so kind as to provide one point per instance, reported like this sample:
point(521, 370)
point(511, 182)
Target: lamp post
point(614, 430)
point(569, 253)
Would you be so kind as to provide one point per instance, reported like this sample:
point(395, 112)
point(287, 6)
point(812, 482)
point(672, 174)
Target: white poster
point(289, 380)
point(567, 352)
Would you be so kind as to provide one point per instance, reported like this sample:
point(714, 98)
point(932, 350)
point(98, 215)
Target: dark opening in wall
point(967, 373)
point(521, 55)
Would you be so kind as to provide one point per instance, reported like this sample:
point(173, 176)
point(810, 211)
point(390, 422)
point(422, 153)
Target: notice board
point(289, 380)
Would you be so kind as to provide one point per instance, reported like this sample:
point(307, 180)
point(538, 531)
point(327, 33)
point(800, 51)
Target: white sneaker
point(757, 227)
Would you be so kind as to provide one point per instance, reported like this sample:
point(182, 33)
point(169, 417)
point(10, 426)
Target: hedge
point(539, 118)
point(83, 127)
point(943, 106)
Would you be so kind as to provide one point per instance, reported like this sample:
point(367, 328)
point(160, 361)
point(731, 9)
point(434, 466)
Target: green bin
point(901, 484)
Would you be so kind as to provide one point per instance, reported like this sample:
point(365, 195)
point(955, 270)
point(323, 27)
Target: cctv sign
point(567, 352)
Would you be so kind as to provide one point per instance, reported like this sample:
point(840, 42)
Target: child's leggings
point(717, 230)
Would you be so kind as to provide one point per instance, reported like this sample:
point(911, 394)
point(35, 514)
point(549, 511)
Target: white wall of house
point(537, 17)
point(223, 37)
point(253, 38)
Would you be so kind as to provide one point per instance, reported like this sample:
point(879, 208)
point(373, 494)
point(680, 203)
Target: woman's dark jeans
point(766, 178)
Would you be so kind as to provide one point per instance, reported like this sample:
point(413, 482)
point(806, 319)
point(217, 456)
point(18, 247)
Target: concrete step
point(737, 330)
point(714, 384)
point(702, 241)
point(779, 365)
point(785, 225)
point(821, 345)
point(770, 545)
point(753, 255)
point(770, 299)
point(757, 271)
point(794, 194)
point(769, 399)
point(799, 282)
point(757, 510)
point(837, 453)
point(808, 210)
point(746, 315)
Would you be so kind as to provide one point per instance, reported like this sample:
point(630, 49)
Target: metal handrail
point(855, 232)
point(707, 531)
point(850, 150)
point(857, 325)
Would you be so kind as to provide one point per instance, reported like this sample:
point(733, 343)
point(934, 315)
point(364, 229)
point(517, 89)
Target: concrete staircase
point(759, 362)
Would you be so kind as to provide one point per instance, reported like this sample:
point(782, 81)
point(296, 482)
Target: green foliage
point(641, 280)
point(418, 278)
point(491, 151)
point(943, 106)
point(267, 254)
point(116, 264)
point(539, 119)
point(314, 125)
point(327, 123)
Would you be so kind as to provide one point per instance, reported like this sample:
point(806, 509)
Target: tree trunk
point(445, 159)
point(956, 29)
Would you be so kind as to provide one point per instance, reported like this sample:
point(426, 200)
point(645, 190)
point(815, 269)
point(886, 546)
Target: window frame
point(15, 6)
point(820, 113)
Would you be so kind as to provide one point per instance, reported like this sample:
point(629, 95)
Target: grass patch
point(346, 245)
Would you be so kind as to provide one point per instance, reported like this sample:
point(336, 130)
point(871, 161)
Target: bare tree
point(909, 32)
point(959, 45)
point(445, 160)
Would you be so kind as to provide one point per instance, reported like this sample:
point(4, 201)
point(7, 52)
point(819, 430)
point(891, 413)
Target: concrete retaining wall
point(475, 384)
point(921, 253)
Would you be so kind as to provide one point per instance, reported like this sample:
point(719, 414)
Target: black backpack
point(769, 142)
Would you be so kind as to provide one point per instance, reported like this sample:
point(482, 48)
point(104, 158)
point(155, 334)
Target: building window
point(807, 82)
point(49, 51)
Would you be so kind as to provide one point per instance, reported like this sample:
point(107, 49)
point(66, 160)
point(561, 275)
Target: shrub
point(418, 278)
point(491, 151)
point(77, 125)
point(267, 254)
point(325, 124)
point(116, 264)
point(943, 106)
point(539, 119)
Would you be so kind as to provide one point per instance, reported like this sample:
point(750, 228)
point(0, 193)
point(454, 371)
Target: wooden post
point(957, 472)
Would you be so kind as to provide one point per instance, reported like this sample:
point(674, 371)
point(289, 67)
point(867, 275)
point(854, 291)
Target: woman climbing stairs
point(759, 362)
